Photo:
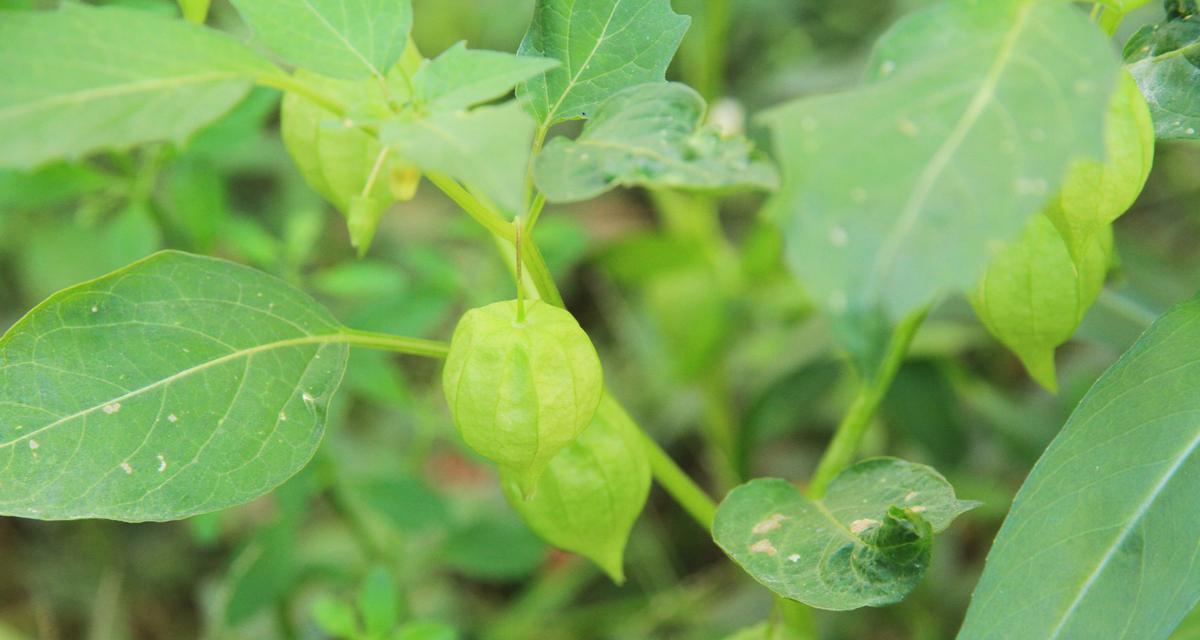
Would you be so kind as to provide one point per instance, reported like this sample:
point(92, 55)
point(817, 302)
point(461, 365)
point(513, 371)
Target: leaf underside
point(962, 149)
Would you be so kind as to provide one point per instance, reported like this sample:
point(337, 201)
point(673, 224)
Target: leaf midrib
point(229, 357)
point(1126, 530)
point(944, 154)
point(119, 90)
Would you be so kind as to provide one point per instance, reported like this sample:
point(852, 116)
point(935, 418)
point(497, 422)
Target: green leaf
point(1101, 538)
point(379, 601)
point(335, 618)
point(604, 46)
point(486, 148)
point(650, 135)
point(496, 548)
point(1165, 61)
point(460, 78)
point(77, 80)
point(866, 543)
point(337, 160)
point(592, 492)
point(262, 573)
point(172, 387)
point(520, 391)
point(347, 39)
point(1034, 294)
point(1096, 193)
point(894, 192)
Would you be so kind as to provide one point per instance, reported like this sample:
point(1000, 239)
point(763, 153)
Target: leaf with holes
point(604, 46)
point(78, 80)
point(1101, 539)
point(175, 386)
point(865, 544)
point(650, 135)
point(893, 193)
point(1165, 61)
point(347, 39)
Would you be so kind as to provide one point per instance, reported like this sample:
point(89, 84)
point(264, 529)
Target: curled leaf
point(866, 543)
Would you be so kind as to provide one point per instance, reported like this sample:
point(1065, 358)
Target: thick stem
point(849, 434)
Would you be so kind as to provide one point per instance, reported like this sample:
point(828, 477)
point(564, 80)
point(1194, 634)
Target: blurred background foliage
point(396, 528)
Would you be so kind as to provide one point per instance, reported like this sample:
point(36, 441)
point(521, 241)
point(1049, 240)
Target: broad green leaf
point(1034, 294)
point(175, 386)
point(1165, 61)
point(866, 543)
point(460, 78)
point(338, 160)
point(486, 148)
point(348, 39)
point(604, 46)
point(521, 390)
point(1096, 193)
point(592, 492)
point(79, 79)
point(1101, 538)
point(650, 135)
point(894, 192)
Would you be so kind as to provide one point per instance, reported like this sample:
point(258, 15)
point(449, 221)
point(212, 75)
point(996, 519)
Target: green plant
point(987, 153)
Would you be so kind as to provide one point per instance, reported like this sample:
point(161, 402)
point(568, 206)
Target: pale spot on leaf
point(795, 557)
point(770, 524)
point(910, 496)
point(127, 468)
point(172, 418)
point(33, 444)
point(763, 546)
point(162, 463)
point(111, 408)
point(861, 525)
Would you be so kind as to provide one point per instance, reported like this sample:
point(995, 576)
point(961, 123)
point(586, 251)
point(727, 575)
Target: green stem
point(535, 211)
point(716, 38)
point(398, 344)
point(849, 434)
point(284, 82)
point(486, 217)
point(539, 272)
point(680, 485)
